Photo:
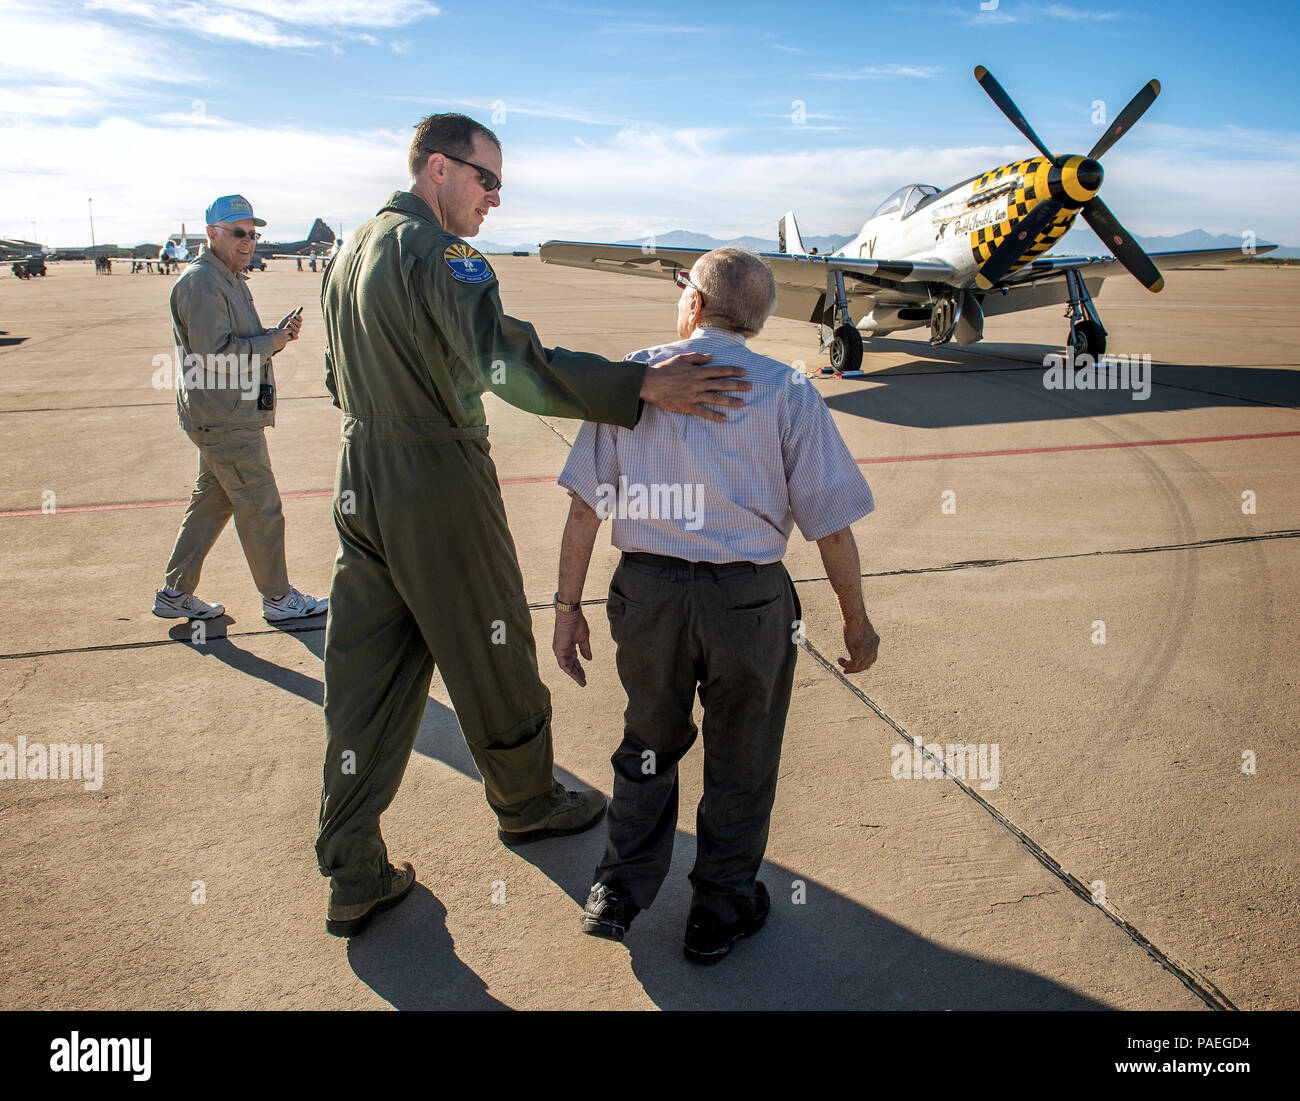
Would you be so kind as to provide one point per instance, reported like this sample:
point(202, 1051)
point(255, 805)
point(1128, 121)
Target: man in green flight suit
point(426, 572)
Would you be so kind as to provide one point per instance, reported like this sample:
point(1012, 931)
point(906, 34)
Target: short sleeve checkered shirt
point(722, 492)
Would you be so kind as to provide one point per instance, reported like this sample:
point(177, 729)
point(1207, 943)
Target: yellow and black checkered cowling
point(1032, 189)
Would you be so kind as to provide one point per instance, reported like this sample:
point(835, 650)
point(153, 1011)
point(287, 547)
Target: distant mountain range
point(1078, 240)
point(1084, 241)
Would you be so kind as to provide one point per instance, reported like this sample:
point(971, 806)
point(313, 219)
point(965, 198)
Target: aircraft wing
point(1106, 266)
point(794, 271)
point(800, 280)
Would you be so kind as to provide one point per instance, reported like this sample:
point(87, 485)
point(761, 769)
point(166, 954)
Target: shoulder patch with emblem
point(467, 264)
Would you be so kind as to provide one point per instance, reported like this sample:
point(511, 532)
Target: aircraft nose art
point(1030, 188)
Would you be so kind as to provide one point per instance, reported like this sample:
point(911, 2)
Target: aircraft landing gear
point(846, 342)
point(1087, 335)
point(846, 349)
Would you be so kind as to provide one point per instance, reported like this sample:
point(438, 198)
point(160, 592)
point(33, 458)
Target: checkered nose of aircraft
point(1035, 219)
point(1062, 188)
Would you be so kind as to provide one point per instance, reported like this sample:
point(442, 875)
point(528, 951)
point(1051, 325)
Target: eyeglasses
point(683, 280)
point(489, 179)
point(240, 234)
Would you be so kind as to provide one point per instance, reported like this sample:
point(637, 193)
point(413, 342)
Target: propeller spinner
point(1073, 182)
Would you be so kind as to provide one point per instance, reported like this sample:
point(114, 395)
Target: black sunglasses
point(240, 234)
point(489, 179)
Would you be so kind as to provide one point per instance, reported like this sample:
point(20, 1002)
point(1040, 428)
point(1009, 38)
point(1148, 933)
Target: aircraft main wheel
point(1089, 339)
point(846, 349)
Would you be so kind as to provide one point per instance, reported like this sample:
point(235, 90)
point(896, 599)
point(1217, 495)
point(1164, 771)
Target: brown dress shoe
point(348, 919)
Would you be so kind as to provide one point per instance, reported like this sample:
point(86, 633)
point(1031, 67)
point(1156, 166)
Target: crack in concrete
point(542, 605)
point(1202, 987)
point(15, 693)
point(1021, 899)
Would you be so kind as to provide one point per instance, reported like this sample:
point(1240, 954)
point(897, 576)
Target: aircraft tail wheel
point(846, 349)
point(1089, 339)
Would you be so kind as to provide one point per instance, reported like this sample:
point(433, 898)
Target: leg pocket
point(755, 607)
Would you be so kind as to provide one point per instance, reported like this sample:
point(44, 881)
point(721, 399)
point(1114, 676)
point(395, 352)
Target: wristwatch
point(562, 606)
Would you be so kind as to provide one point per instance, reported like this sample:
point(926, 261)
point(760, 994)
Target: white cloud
point(513, 106)
point(883, 72)
point(83, 53)
point(148, 177)
point(303, 13)
point(623, 186)
point(210, 19)
point(45, 101)
point(338, 13)
point(1023, 13)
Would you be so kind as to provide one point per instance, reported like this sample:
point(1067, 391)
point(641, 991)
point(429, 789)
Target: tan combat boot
point(348, 919)
point(568, 812)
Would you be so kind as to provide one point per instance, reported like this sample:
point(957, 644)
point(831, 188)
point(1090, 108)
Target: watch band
point(564, 607)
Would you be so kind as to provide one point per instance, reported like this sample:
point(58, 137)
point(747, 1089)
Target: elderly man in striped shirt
point(702, 512)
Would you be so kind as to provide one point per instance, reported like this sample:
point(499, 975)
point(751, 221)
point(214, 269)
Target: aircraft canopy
point(906, 199)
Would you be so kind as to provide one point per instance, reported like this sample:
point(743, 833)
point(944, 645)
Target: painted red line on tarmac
point(1074, 447)
point(304, 494)
point(293, 495)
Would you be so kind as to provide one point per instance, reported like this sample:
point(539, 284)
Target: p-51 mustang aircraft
point(948, 259)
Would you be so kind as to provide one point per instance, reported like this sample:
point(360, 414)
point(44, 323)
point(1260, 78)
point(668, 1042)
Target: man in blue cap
point(225, 398)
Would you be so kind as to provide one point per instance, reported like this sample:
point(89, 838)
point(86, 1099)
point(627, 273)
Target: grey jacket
point(213, 316)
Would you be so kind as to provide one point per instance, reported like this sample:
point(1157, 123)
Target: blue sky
point(714, 117)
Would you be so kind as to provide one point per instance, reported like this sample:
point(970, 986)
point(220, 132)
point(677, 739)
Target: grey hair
point(739, 289)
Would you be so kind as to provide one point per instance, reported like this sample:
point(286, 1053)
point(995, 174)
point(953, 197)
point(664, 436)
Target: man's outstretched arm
point(572, 633)
point(839, 553)
point(557, 382)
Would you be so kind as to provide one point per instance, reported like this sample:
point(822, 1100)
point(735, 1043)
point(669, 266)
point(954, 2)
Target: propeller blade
point(1135, 110)
point(1127, 251)
point(1007, 106)
point(1022, 235)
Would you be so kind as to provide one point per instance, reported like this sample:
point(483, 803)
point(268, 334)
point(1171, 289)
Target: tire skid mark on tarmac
point(1158, 660)
point(542, 605)
point(1202, 987)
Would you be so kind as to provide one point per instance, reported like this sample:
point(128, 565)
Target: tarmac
point(1134, 849)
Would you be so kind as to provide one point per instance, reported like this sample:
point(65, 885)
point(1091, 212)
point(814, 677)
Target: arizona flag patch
point(467, 264)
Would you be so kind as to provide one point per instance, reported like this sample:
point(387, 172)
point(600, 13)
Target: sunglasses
point(683, 280)
point(489, 179)
point(240, 234)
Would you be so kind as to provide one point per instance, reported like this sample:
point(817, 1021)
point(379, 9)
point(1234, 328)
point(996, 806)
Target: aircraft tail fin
point(320, 234)
point(787, 236)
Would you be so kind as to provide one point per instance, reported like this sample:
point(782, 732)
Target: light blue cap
point(231, 208)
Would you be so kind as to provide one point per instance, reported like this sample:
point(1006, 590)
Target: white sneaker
point(184, 606)
point(295, 605)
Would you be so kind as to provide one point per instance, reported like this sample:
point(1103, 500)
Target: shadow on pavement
point(219, 646)
point(952, 387)
point(408, 958)
point(827, 952)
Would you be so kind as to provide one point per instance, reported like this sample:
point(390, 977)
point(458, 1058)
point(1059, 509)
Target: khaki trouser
point(426, 573)
point(235, 478)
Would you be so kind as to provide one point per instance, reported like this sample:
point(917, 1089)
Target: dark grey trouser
point(730, 630)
